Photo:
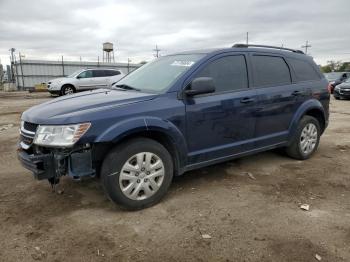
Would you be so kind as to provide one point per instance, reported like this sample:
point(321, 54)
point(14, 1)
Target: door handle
point(246, 100)
point(297, 93)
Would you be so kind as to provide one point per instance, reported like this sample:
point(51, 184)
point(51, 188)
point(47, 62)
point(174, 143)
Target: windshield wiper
point(127, 87)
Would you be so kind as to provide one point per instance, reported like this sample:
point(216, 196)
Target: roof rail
point(268, 46)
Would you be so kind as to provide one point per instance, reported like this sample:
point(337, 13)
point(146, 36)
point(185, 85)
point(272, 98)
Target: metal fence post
point(62, 67)
point(22, 73)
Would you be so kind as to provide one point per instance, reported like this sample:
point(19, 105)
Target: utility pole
point(157, 50)
point(129, 60)
point(12, 50)
point(306, 46)
point(247, 38)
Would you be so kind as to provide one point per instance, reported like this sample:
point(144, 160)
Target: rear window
point(303, 70)
point(270, 71)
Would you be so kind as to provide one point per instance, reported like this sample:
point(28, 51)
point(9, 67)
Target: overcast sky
point(42, 29)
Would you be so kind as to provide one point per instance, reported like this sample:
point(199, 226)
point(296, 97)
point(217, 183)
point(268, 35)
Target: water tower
point(108, 52)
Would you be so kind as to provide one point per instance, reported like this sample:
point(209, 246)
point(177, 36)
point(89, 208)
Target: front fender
point(128, 127)
point(175, 135)
point(306, 106)
point(121, 129)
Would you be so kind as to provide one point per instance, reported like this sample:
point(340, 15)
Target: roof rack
point(268, 46)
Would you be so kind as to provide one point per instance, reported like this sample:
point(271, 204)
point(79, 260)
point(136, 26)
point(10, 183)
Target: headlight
point(337, 88)
point(60, 135)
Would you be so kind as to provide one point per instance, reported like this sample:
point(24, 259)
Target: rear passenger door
point(113, 76)
point(221, 124)
point(278, 98)
point(100, 79)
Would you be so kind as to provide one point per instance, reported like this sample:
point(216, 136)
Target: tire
point(306, 129)
point(67, 90)
point(121, 169)
point(337, 98)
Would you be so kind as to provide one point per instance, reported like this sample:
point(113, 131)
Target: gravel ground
point(246, 217)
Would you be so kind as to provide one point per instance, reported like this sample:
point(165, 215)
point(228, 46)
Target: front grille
point(30, 127)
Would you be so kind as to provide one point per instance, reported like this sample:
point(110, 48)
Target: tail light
point(329, 88)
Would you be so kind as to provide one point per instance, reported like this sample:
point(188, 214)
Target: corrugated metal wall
point(28, 73)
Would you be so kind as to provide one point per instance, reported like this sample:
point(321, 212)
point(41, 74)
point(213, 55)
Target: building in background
point(28, 73)
point(2, 74)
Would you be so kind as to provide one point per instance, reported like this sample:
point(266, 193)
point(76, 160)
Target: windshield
point(333, 76)
point(158, 75)
point(75, 73)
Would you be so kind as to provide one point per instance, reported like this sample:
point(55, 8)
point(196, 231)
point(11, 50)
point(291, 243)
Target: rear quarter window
point(303, 70)
point(270, 71)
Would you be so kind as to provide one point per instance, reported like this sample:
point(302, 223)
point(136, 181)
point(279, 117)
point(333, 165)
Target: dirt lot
point(248, 219)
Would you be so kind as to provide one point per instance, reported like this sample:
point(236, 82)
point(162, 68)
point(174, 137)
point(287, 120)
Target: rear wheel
point(137, 173)
point(67, 90)
point(306, 139)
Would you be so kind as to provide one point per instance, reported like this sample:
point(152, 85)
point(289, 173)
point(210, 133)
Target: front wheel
point(306, 139)
point(137, 173)
point(67, 90)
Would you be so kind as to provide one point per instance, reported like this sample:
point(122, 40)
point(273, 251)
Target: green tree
point(335, 66)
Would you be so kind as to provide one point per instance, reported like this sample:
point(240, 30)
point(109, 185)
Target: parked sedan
point(342, 90)
point(82, 80)
point(336, 78)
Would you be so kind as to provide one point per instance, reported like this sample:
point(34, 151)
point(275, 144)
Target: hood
point(57, 79)
point(78, 107)
point(344, 85)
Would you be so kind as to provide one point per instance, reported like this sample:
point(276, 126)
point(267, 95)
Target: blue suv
point(178, 113)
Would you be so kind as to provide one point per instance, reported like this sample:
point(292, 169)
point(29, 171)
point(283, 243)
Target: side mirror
point(201, 85)
point(78, 77)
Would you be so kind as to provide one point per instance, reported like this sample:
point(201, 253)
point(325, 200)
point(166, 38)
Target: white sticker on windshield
point(182, 63)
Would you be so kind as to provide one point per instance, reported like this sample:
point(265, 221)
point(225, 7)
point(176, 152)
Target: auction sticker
point(182, 63)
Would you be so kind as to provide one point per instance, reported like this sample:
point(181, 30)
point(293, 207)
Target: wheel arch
point(68, 84)
point(164, 132)
point(319, 115)
point(312, 108)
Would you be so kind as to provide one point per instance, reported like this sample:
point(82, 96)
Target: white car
point(85, 79)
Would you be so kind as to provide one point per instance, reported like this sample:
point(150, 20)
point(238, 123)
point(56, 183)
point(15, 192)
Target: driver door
point(221, 124)
point(85, 80)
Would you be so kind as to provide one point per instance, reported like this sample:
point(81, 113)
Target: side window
point(98, 73)
point(270, 71)
point(112, 72)
point(303, 70)
point(229, 73)
point(85, 74)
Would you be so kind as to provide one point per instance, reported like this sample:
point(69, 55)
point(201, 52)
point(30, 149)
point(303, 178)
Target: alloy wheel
point(141, 176)
point(308, 138)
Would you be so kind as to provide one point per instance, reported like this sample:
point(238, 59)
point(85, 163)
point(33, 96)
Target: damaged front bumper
point(42, 166)
point(47, 163)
